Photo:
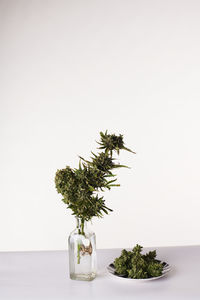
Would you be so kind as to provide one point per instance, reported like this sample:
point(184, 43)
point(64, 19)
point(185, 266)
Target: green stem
point(80, 231)
point(82, 227)
point(78, 253)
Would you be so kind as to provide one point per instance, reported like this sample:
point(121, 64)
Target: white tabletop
point(44, 275)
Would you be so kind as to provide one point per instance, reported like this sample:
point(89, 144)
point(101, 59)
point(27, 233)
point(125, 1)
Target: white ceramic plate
point(167, 268)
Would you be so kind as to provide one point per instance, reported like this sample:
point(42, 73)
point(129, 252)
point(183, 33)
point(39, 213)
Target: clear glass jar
point(82, 252)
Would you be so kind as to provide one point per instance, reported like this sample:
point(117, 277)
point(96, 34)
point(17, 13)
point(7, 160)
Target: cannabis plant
point(134, 264)
point(80, 186)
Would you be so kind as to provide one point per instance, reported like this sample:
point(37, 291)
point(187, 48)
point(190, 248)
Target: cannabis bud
point(134, 264)
point(111, 142)
point(79, 187)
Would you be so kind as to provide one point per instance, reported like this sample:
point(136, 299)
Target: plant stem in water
point(80, 231)
point(78, 253)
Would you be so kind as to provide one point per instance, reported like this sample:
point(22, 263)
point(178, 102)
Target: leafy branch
point(80, 186)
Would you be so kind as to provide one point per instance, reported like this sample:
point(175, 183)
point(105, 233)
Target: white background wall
point(70, 69)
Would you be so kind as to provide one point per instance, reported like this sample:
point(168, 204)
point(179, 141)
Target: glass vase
point(82, 252)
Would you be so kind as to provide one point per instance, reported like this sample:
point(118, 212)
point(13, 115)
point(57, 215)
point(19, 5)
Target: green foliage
point(134, 264)
point(80, 187)
point(111, 142)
